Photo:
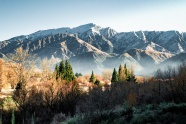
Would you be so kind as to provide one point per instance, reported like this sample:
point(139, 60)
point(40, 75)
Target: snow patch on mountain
point(180, 48)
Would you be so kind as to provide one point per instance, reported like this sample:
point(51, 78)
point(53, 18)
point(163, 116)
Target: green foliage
point(68, 74)
point(130, 75)
point(121, 74)
point(161, 114)
point(97, 82)
point(133, 78)
point(75, 120)
point(114, 76)
point(8, 103)
point(57, 71)
point(64, 71)
point(125, 70)
point(61, 69)
point(92, 78)
point(78, 74)
point(13, 118)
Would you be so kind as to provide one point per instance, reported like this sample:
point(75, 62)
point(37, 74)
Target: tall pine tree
point(68, 74)
point(57, 72)
point(127, 73)
point(61, 69)
point(92, 78)
point(125, 70)
point(121, 74)
point(114, 76)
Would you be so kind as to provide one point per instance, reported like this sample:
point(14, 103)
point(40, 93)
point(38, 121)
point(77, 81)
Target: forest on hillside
point(61, 96)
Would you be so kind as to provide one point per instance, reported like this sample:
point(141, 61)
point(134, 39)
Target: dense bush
point(44, 104)
point(151, 113)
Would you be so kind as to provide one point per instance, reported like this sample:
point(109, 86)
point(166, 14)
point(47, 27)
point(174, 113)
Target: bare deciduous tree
point(22, 65)
point(46, 67)
point(107, 74)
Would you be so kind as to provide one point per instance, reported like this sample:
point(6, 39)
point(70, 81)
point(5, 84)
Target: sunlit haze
point(22, 17)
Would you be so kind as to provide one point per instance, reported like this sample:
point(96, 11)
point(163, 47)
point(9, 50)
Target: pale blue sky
point(22, 17)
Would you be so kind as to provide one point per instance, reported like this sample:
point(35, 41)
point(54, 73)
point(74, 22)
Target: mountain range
point(91, 47)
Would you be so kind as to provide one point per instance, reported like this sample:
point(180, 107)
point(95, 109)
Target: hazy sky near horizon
point(22, 17)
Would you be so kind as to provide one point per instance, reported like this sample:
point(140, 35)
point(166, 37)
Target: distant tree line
point(123, 75)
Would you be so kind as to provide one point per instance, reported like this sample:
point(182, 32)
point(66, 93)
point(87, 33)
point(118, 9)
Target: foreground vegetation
point(57, 96)
point(165, 113)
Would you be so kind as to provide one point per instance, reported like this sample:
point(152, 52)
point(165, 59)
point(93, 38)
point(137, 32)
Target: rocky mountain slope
point(91, 47)
point(147, 58)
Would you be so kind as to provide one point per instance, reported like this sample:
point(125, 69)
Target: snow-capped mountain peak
point(84, 28)
point(91, 43)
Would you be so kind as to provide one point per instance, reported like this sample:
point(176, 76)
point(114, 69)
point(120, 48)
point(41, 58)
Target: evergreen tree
point(121, 74)
point(127, 73)
point(124, 74)
point(64, 71)
point(61, 69)
point(128, 78)
point(125, 70)
point(132, 76)
point(68, 74)
point(72, 76)
point(92, 78)
point(97, 82)
point(57, 72)
point(78, 74)
point(114, 76)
